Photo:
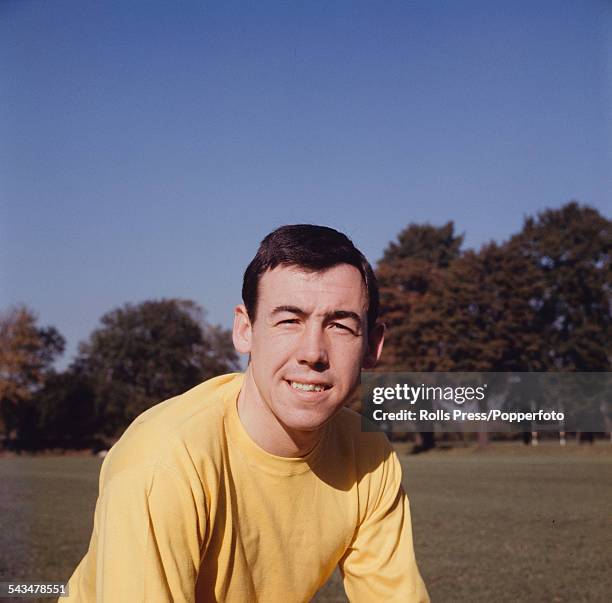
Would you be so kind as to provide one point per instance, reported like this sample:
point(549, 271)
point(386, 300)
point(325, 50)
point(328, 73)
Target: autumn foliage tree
point(27, 352)
point(475, 316)
point(540, 301)
point(410, 270)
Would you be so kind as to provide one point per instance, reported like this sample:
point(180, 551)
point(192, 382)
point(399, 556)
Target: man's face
point(308, 342)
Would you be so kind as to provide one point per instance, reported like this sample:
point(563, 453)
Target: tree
point(478, 316)
point(570, 249)
point(147, 352)
point(65, 412)
point(410, 268)
point(408, 271)
point(539, 302)
point(27, 353)
point(436, 245)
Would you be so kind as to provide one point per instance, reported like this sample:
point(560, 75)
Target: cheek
point(349, 351)
point(347, 364)
point(271, 351)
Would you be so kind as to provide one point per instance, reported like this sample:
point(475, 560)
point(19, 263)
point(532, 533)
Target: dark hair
point(313, 249)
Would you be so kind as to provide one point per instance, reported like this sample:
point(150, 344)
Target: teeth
point(307, 387)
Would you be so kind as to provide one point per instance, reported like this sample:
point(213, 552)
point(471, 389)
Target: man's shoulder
point(201, 401)
point(187, 424)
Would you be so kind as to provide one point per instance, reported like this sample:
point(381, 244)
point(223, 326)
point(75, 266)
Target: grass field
point(509, 524)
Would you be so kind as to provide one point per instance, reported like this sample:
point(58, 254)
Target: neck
point(265, 429)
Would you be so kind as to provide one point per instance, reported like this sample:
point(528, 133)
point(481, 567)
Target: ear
point(242, 331)
point(376, 338)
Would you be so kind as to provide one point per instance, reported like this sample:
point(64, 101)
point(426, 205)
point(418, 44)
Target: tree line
point(139, 355)
point(540, 301)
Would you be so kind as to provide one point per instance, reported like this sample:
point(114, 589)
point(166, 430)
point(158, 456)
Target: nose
point(312, 348)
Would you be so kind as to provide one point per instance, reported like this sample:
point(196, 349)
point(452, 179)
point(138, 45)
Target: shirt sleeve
point(380, 565)
point(146, 541)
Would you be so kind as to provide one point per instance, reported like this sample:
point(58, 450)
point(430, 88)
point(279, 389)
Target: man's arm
point(380, 564)
point(148, 532)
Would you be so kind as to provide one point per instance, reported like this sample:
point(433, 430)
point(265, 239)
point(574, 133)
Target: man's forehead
point(341, 284)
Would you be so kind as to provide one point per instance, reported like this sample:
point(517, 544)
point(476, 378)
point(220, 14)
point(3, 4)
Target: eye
point(341, 327)
point(288, 321)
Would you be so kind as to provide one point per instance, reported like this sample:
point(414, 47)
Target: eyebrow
point(335, 315)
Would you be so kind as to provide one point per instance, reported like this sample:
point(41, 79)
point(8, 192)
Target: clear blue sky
point(147, 147)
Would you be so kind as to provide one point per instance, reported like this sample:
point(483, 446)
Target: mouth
point(306, 386)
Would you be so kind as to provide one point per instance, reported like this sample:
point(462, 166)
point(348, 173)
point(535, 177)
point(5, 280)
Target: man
point(255, 487)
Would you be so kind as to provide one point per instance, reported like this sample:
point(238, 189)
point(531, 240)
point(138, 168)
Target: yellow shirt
point(191, 509)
